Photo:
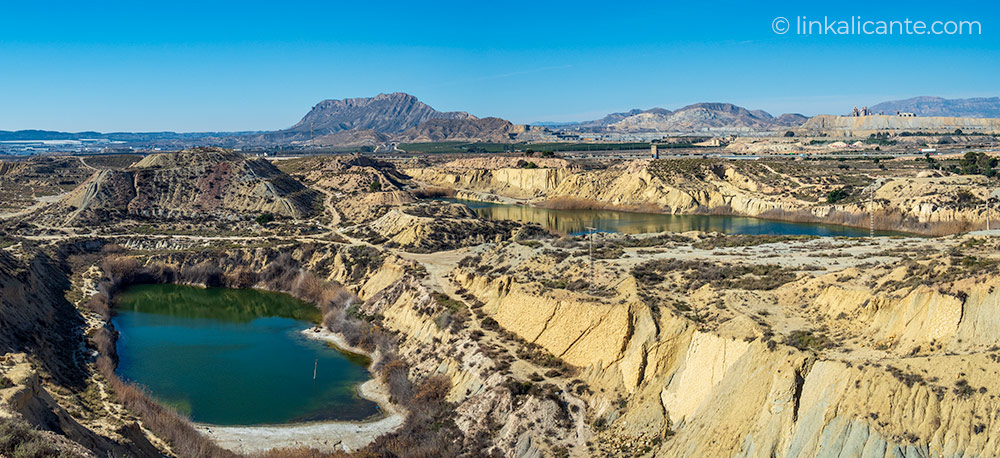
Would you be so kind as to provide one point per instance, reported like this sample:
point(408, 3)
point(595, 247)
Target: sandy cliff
point(926, 204)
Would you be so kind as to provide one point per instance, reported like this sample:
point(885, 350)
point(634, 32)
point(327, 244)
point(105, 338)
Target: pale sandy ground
point(39, 203)
point(324, 436)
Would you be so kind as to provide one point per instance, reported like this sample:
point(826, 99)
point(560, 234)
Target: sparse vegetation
point(808, 340)
point(697, 274)
point(19, 440)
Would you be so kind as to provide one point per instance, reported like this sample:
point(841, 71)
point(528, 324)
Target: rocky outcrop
point(351, 138)
point(199, 182)
point(467, 130)
point(439, 226)
point(384, 113)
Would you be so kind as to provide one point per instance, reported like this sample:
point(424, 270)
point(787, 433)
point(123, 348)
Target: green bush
point(837, 195)
point(806, 340)
point(264, 218)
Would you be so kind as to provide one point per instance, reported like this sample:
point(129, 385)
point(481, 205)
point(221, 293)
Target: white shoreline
point(326, 436)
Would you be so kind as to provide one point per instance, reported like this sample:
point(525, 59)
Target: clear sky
point(212, 66)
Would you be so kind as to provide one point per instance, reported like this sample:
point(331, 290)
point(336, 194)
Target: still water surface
point(235, 356)
point(575, 222)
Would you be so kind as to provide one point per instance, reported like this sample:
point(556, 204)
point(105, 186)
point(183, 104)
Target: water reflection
point(235, 357)
point(575, 222)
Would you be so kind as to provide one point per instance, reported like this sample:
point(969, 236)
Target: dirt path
point(85, 164)
point(40, 202)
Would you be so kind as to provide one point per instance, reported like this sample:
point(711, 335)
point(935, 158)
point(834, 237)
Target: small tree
point(264, 218)
point(376, 186)
point(837, 195)
point(789, 134)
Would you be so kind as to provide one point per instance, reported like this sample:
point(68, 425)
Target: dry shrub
point(300, 452)
point(280, 274)
point(394, 372)
point(310, 289)
point(158, 272)
point(98, 303)
point(432, 391)
point(204, 273)
point(112, 248)
point(243, 278)
point(18, 439)
point(429, 430)
point(435, 192)
point(120, 269)
point(104, 341)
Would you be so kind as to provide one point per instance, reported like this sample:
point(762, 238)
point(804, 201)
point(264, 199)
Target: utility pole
point(871, 214)
point(988, 207)
point(591, 230)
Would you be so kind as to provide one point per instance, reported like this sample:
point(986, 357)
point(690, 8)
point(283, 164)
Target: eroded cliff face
point(887, 349)
point(43, 362)
point(510, 182)
point(911, 370)
point(676, 186)
point(35, 316)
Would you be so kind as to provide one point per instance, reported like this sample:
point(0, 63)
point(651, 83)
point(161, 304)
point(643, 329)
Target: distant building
point(654, 152)
point(905, 114)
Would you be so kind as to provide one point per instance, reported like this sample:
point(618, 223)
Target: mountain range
point(692, 118)
point(401, 117)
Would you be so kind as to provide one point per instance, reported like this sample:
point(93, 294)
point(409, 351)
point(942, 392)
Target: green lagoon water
point(575, 222)
point(235, 356)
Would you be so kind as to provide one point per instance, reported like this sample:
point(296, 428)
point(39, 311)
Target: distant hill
point(704, 116)
point(384, 113)
point(25, 135)
point(198, 182)
point(692, 118)
point(981, 107)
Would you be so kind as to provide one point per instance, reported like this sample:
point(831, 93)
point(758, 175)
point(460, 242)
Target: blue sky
point(203, 66)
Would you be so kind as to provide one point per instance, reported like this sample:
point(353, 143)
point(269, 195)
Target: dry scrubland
point(490, 336)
